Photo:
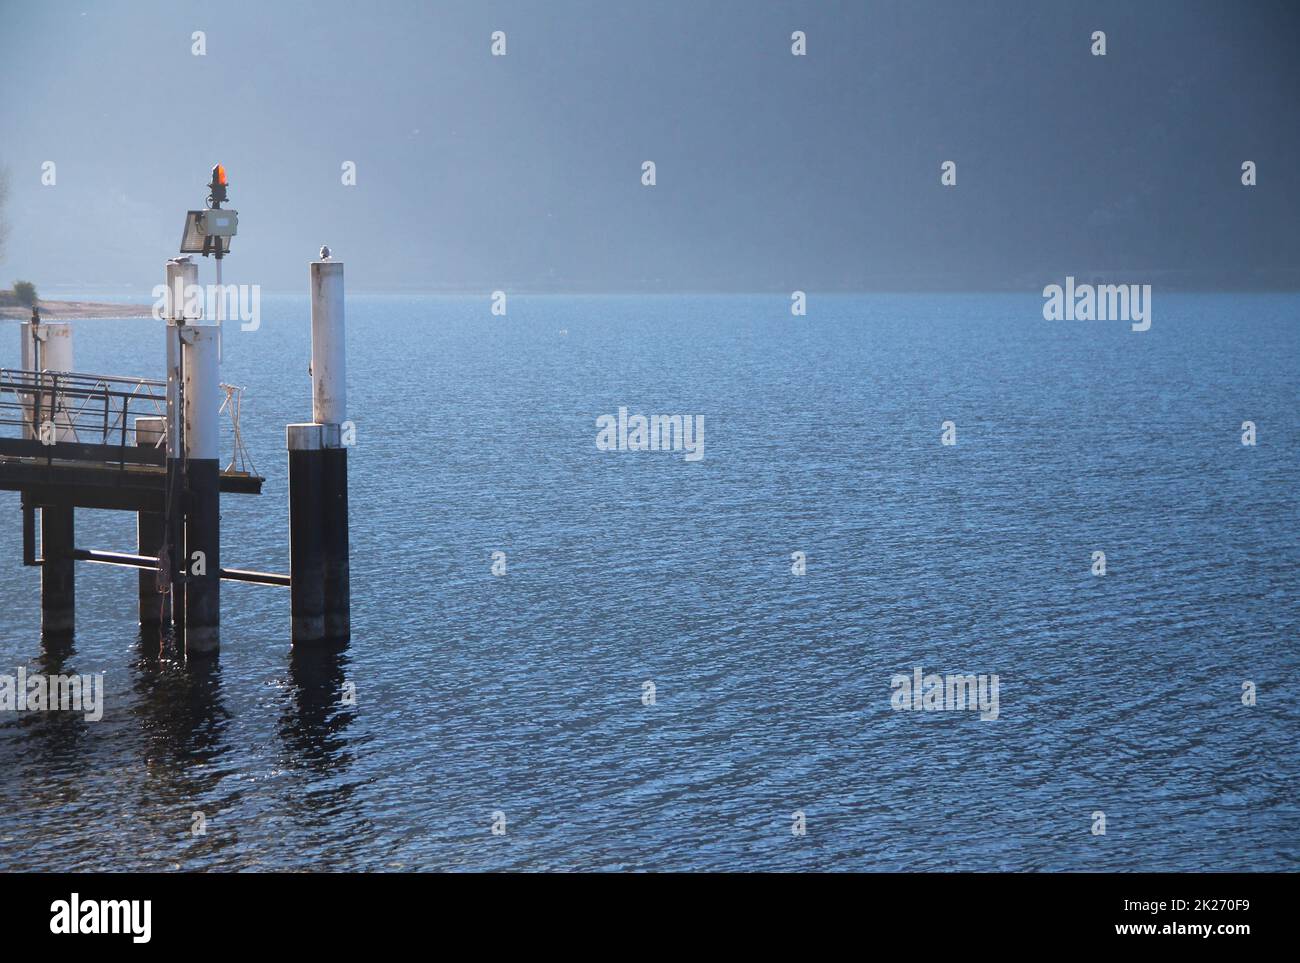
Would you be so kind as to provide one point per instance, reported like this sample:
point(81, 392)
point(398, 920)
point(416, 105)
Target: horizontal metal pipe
point(144, 561)
point(261, 578)
point(114, 558)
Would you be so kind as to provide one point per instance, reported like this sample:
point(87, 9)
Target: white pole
point(57, 349)
point(182, 274)
point(329, 392)
point(202, 392)
point(221, 306)
point(28, 356)
point(29, 363)
point(54, 354)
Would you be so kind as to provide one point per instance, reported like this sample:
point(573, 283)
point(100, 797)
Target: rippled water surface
point(523, 694)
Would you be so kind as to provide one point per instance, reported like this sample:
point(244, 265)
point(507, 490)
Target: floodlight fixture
point(206, 234)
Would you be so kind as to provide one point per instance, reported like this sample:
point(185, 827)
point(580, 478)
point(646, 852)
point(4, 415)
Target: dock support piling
point(201, 394)
point(58, 584)
point(306, 534)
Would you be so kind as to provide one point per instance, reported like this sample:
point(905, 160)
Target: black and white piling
point(320, 592)
point(201, 393)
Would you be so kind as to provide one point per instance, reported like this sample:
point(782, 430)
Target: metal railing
point(68, 414)
point(77, 408)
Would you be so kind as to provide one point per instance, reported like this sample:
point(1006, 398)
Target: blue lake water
point(522, 694)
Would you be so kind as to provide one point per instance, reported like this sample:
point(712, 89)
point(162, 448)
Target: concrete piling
point(320, 570)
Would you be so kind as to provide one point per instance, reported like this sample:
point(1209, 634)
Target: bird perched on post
point(324, 253)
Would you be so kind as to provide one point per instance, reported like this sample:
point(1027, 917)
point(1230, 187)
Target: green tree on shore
point(25, 293)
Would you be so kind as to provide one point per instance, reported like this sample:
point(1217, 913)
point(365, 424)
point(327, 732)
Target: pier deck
point(78, 475)
point(89, 456)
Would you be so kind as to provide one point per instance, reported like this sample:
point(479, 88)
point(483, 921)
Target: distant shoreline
point(76, 311)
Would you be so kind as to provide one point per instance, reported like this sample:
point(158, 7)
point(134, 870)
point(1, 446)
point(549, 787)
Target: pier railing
point(62, 414)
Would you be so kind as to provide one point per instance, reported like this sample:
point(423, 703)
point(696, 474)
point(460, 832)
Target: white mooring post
point(27, 362)
point(181, 274)
point(320, 592)
point(56, 355)
point(329, 389)
point(47, 347)
point(201, 393)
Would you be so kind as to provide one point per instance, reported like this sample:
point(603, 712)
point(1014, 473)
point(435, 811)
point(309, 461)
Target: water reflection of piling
point(314, 721)
point(53, 740)
point(184, 720)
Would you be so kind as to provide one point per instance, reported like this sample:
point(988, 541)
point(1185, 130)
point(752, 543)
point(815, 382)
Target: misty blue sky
point(774, 172)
